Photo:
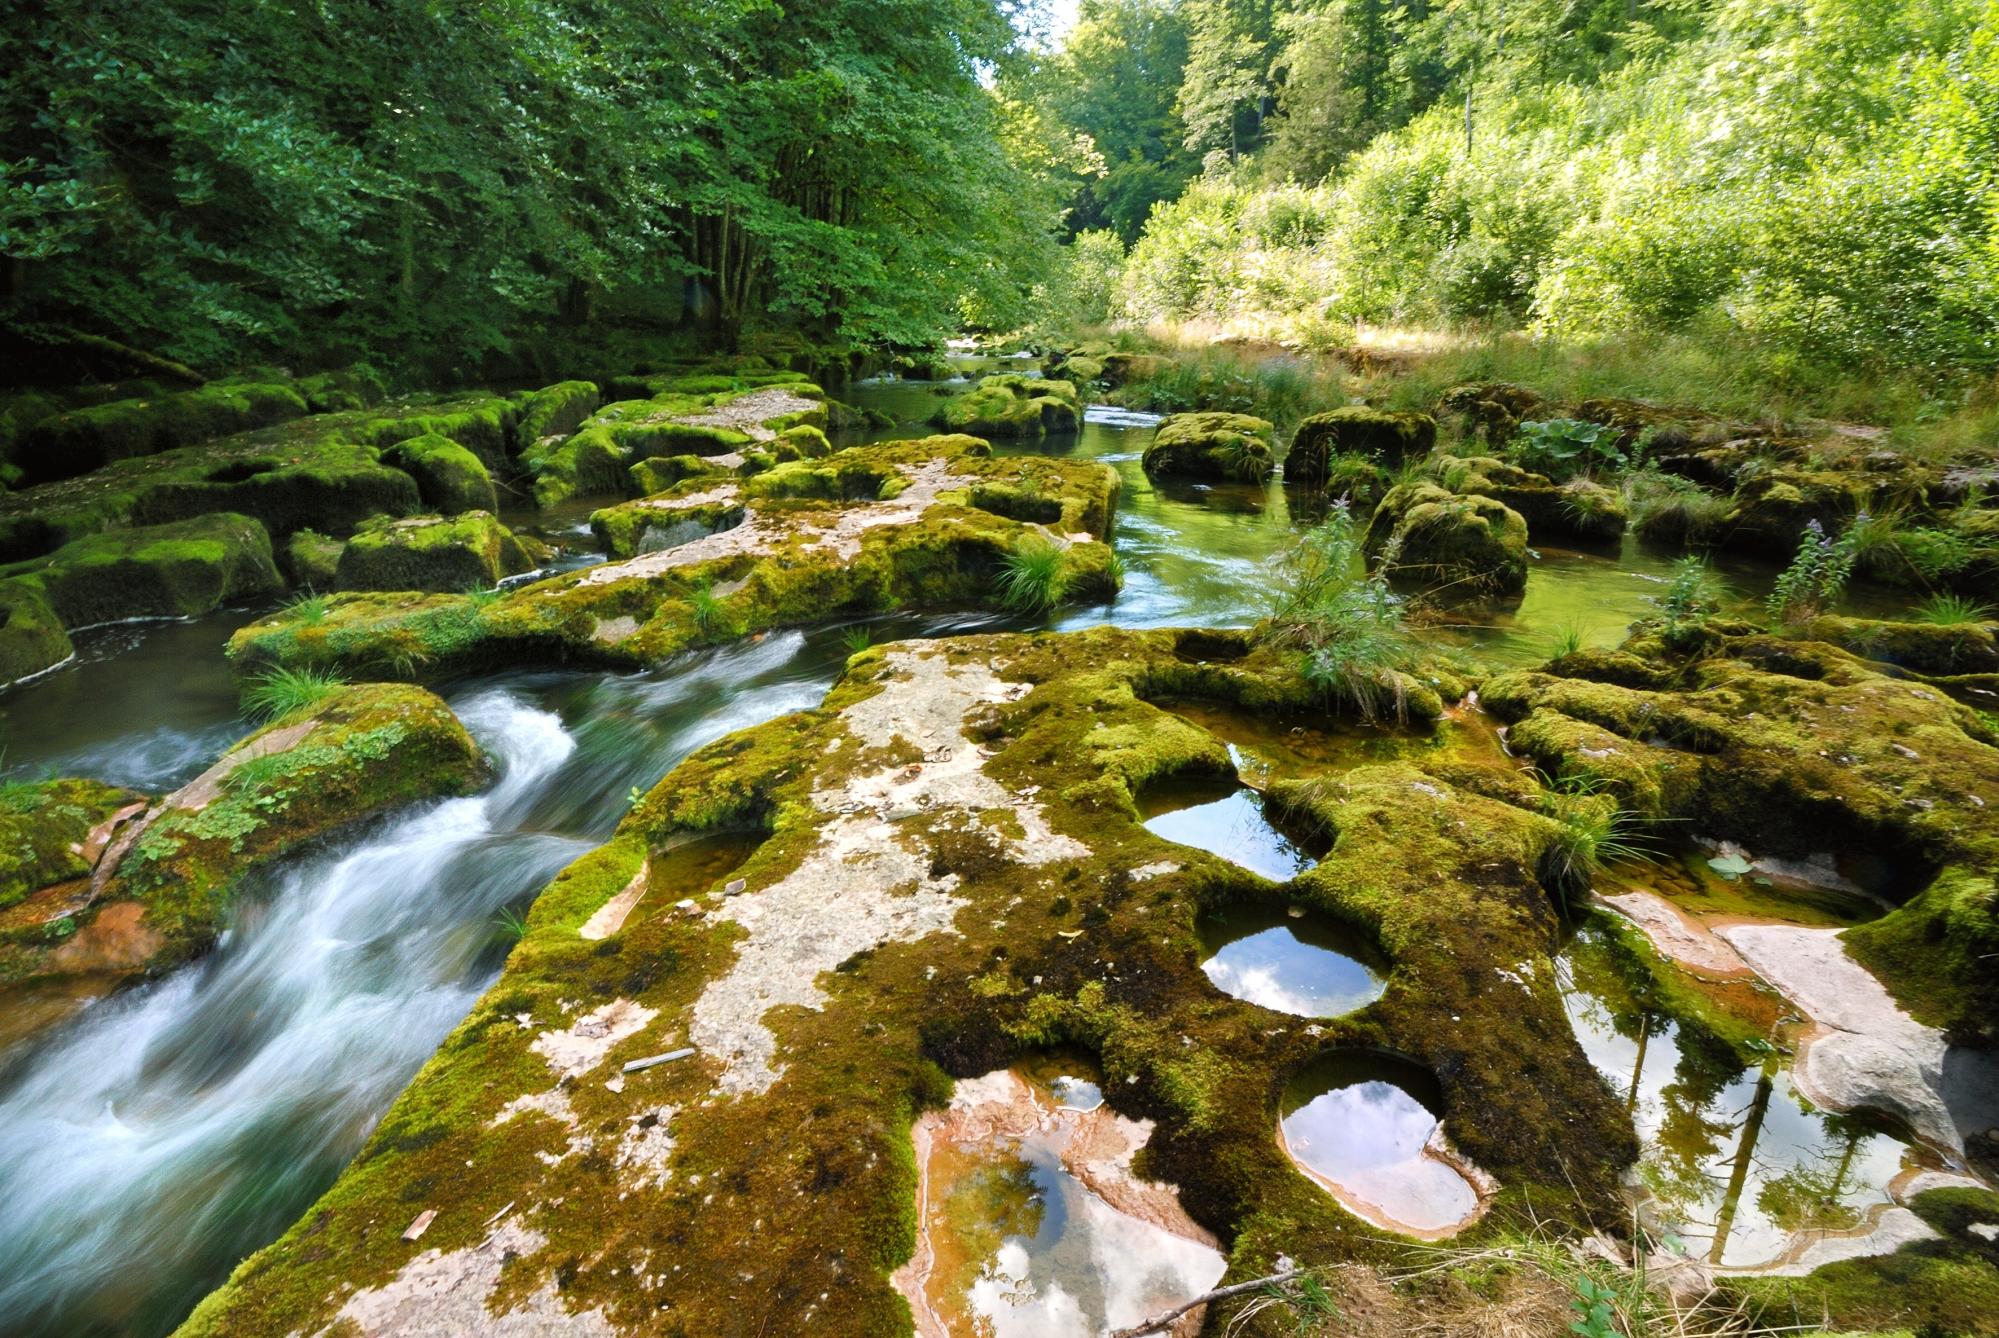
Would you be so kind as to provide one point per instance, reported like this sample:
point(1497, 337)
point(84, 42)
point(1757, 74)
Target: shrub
point(1343, 619)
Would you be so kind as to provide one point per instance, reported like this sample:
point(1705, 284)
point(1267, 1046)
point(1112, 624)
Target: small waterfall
point(176, 1127)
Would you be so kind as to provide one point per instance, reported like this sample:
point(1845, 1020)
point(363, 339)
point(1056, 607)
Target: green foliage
point(437, 183)
point(856, 639)
point(1591, 832)
point(1672, 509)
point(1343, 619)
point(1565, 640)
point(1564, 448)
point(1692, 596)
point(710, 613)
point(283, 692)
point(1032, 578)
point(1227, 380)
point(1951, 611)
point(309, 611)
point(1816, 579)
point(509, 925)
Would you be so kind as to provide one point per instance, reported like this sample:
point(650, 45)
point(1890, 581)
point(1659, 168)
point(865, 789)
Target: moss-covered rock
point(1355, 429)
point(46, 831)
point(344, 391)
point(867, 530)
point(1012, 406)
point(1468, 546)
point(1232, 447)
point(32, 638)
point(725, 425)
point(1797, 748)
point(1125, 369)
point(938, 872)
point(449, 477)
point(1580, 509)
point(155, 571)
point(162, 890)
point(80, 440)
point(556, 411)
point(471, 550)
point(310, 560)
point(1928, 648)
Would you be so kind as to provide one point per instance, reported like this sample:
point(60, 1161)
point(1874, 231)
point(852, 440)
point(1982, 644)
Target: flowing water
point(163, 1134)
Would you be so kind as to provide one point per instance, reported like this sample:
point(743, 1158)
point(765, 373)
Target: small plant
point(310, 610)
point(1592, 832)
point(1673, 510)
point(1343, 618)
point(480, 596)
point(283, 692)
point(1693, 594)
point(254, 773)
point(1565, 640)
point(856, 639)
point(510, 925)
point(711, 616)
point(1951, 611)
point(1032, 579)
point(1563, 448)
point(1817, 576)
point(1594, 1305)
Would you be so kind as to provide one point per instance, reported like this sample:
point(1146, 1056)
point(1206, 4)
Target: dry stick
point(1159, 1322)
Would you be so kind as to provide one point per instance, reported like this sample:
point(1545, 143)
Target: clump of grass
point(1592, 832)
point(1032, 579)
point(1670, 509)
point(311, 610)
point(710, 613)
point(856, 639)
point(1951, 611)
point(510, 925)
point(1565, 640)
point(284, 692)
point(1344, 619)
point(1281, 388)
point(254, 773)
point(1692, 596)
point(480, 596)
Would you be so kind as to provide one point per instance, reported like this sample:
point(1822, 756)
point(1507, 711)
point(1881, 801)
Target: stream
point(169, 1131)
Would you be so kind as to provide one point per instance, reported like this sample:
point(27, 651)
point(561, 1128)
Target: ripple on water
point(1306, 965)
point(1365, 1127)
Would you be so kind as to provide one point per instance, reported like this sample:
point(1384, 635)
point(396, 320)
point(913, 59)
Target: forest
point(999, 668)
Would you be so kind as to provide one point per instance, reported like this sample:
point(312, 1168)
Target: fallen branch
point(1159, 1323)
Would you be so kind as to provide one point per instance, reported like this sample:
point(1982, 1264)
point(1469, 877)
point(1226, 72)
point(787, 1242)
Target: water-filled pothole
point(1280, 745)
point(1367, 1128)
point(1295, 963)
point(1225, 819)
point(1740, 1169)
point(1720, 881)
point(1031, 1224)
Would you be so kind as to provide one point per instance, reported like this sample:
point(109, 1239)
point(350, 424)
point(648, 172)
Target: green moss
point(43, 825)
point(449, 478)
point(1928, 648)
point(359, 752)
point(354, 388)
point(1012, 406)
point(1459, 546)
point(1227, 446)
point(555, 411)
point(78, 441)
point(1355, 429)
point(176, 570)
point(310, 559)
point(433, 553)
point(32, 638)
point(1577, 510)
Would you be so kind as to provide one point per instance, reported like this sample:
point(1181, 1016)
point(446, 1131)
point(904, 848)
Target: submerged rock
point(1230, 447)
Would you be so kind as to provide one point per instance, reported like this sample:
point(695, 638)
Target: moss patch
point(1227, 446)
point(176, 570)
point(1012, 406)
point(437, 553)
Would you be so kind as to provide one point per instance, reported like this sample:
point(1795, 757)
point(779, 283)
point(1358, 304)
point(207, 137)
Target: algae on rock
point(1230, 447)
point(1010, 405)
point(437, 553)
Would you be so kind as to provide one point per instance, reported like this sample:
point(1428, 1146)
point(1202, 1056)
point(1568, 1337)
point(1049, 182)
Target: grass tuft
point(284, 692)
point(1031, 578)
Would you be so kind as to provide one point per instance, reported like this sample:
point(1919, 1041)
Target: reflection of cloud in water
point(1261, 985)
point(1368, 1139)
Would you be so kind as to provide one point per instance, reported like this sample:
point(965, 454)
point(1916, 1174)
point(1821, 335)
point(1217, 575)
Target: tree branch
point(1159, 1323)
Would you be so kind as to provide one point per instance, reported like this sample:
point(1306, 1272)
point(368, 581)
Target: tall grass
point(279, 693)
point(1280, 387)
point(1592, 831)
point(1343, 619)
point(1951, 611)
point(1032, 578)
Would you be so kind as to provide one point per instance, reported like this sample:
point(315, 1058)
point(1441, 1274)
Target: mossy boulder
point(449, 477)
point(1927, 648)
point(1580, 509)
point(344, 391)
point(156, 571)
point(939, 871)
point(1355, 429)
point(163, 890)
point(471, 550)
point(1125, 369)
point(1463, 546)
point(556, 411)
point(46, 832)
point(32, 637)
point(1012, 406)
point(80, 440)
point(311, 560)
point(1776, 506)
point(867, 530)
point(1229, 447)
